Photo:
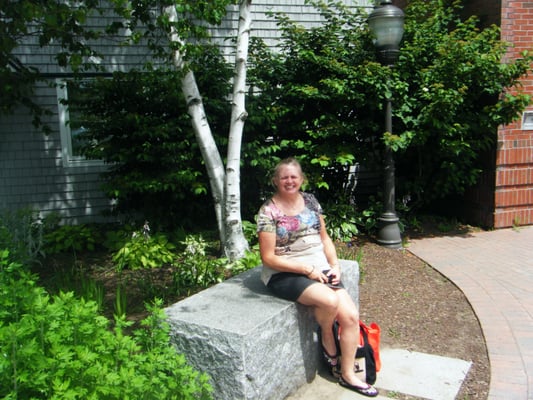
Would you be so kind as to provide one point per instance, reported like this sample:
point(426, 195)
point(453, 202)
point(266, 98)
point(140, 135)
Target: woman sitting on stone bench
point(300, 264)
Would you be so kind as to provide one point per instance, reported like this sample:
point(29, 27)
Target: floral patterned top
point(297, 236)
point(290, 228)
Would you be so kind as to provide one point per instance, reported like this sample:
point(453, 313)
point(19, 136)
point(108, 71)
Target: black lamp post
point(386, 23)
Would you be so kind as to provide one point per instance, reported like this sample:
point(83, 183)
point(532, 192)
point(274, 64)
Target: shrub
point(74, 238)
point(137, 122)
point(145, 251)
point(59, 347)
point(341, 220)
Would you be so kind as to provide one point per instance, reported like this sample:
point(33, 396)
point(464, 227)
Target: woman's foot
point(362, 388)
point(331, 358)
point(332, 362)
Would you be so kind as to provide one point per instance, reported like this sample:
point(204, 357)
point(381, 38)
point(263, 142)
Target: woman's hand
point(317, 275)
point(335, 274)
point(313, 273)
point(332, 275)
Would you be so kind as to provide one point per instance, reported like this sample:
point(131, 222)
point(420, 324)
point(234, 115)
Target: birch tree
point(224, 182)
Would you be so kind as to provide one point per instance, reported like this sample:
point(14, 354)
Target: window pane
point(76, 122)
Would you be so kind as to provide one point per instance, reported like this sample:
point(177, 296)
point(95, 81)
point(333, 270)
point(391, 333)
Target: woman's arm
point(330, 252)
point(329, 247)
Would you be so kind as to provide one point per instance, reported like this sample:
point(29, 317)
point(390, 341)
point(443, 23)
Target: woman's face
point(289, 179)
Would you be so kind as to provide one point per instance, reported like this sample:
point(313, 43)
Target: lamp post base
point(389, 231)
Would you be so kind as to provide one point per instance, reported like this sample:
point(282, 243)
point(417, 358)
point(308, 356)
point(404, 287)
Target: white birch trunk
point(202, 130)
point(208, 148)
point(236, 244)
point(225, 185)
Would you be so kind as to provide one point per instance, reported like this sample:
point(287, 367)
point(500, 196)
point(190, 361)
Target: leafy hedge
point(59, 347)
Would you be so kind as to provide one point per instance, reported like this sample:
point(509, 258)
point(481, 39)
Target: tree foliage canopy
point(457, 94)
point(66, 28)
point(324, 96)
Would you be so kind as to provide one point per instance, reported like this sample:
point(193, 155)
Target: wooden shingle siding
point(115, 56)
point(32, 172)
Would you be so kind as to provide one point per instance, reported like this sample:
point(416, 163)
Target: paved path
point(495, 272)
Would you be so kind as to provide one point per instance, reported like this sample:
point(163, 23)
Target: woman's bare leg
point(348, 317)
point(325, 303)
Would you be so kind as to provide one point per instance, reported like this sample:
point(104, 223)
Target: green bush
point(74, 238)
point(145, 251)
point(60, 348)
point(138, 123)
point(322, 96)
point(341, 220)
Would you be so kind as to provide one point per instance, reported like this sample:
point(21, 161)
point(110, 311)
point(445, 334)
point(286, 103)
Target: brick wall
point(513, 195)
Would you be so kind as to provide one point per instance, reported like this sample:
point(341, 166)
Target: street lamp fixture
point(386, 23)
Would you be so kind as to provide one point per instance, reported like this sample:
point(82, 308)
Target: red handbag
point(373, 334)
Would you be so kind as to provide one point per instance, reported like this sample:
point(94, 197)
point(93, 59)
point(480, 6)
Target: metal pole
point(388, 228)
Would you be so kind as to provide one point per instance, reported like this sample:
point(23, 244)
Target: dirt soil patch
point(418, 309)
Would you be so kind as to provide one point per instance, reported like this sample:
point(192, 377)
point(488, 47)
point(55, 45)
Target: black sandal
point(369, 390)
point(332, 361)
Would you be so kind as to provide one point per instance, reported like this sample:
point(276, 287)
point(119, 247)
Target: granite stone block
point(252, 344)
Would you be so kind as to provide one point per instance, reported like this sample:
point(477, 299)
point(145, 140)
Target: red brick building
point(513, 195)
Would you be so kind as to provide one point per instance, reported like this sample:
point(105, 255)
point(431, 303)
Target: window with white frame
point(527, 121)
point(71, 125)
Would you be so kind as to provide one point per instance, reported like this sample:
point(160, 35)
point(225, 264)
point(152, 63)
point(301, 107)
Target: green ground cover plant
point(142, 267)
point(60, 347)
point(80, 328)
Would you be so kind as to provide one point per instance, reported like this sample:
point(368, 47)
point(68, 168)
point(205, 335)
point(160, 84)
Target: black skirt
point(290, 286)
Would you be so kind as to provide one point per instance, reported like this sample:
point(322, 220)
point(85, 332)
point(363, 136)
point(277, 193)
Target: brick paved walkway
point(495, 272)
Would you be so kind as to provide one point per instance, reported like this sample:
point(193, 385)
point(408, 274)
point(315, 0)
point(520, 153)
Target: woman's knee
point(347, 314)
point(328, 303)
point(348, 318)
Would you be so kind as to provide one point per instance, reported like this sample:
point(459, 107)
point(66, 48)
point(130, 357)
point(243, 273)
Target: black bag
point(367, 353)
point(367, 372)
